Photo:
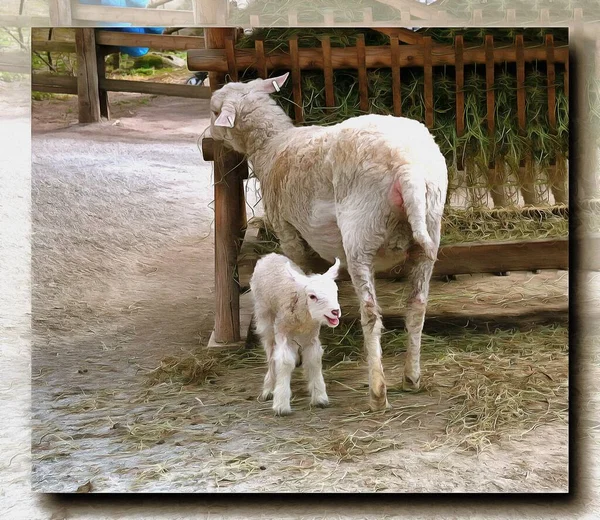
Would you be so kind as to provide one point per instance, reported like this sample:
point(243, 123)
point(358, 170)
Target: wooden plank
point(428, 81)
point(261, 66)
point(328, 71)
point(460, 85)
point(296, 79)
point(396, 92)
point(15, 61)
point(215, 42)
point(231, 63)
point(520, 59)
point(566, 77)
point(159, 42)
point(157, 89)
point(227, 222)
point(551, 77)
point(135, 16)
point(363, 82)
point(404, 35)
point(53, 46)
point(376, 57)
point(246, 311)
point(489, 82)
point(60, 13)
point(54, 84)
point(87, 76)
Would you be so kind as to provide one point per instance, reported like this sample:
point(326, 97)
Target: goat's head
point(321, 294)
point(235, 110)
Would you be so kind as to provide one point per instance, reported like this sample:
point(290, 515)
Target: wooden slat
point(404, 35)
point(157, 89)
point(296, 79)
point(551, 76)
point(135, 16)
point(489, 82)
point(53, 46)
point(15, 61)
point(231, 62)
point(102, 92)
point(328, 71)
point(376, 57)
point(159, 42)
point(396, 92)
point(363, 82)
point(54, 84)
point(428, 79)
point(566, 77)
point(87, 76)
point(521, 116)
point(261, 61)
point(460, 85)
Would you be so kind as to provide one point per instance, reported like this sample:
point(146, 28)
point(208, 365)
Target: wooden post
point(261, 61)
point(328, 71)
point(227, 233)
point(460, 94)
point(396, 86)
point(88, 93)
point(229, 213)
point(60, 13)
point(428, 77)
point(363, 82)
point(296, 79)
point(103, 93)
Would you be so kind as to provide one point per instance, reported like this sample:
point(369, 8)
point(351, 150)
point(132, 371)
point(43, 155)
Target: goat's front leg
point(284, 362)
point(421, 268)
point(312, 362)
point(268, 340)
point(292, 244)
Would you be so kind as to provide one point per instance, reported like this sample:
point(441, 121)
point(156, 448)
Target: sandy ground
point(123, 278)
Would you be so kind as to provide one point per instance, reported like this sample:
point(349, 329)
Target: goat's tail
point(409, 192)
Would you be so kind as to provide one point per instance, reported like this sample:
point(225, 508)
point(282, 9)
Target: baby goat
point(289, 309)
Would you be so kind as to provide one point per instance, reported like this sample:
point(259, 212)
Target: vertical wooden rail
point(328, 71)
point(428, 73)
point(230, 53)
point(396, 85)
point(363, 82)
point(60, 13)
point(296, 79)
point(261, 60)
point(102, 93)
point(229, 208)
point(528, 178)
point(460, 90)
point(87, 76)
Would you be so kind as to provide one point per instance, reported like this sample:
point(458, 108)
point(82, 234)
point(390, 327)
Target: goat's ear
point(226, 117)
point(298, 278)
point(271, 85)
point(334, 270)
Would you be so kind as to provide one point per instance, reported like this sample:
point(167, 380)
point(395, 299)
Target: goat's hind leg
point(292, 244)
point(284, 359)
point(264, 328)
point(421, 268)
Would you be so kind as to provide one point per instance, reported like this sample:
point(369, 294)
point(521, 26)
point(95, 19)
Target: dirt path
point(123, 279)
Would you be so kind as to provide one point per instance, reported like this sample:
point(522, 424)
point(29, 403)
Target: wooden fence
point(91, 84)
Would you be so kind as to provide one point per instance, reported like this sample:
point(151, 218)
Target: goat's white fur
point(289, 309)
point(368, 187)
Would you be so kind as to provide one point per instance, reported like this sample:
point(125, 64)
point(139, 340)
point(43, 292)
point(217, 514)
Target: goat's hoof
point(265, 396)
point(379, 403)
point(408, 385)
point(320, 403)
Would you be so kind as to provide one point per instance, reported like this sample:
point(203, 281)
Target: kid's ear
point(334, 270)
point(298, 278)
point(226, 117)
point(271, 85)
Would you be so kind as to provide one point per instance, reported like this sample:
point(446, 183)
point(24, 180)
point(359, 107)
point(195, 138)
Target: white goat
point(357, 190)
point(289, 309)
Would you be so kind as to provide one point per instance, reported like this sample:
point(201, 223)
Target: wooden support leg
point(227, 238)
point(102, 93)
point(87, 76)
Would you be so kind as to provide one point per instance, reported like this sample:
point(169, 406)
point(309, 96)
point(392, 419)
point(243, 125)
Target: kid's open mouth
point(334, 322)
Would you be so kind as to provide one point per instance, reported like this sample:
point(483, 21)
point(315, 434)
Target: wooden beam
point(135, 16)
point(428, 82)
point(259, 46)
point(363, 81)
point(102, 92)
point(54, 84)
point(404, 35)
point(157, 89)
point(296, 79)
point(375, 57)
point(60, 13)
point(215, 42)
point(328, 71)
point(157, 42)
point(53, 46)
point(396, 86)
point(87, 76)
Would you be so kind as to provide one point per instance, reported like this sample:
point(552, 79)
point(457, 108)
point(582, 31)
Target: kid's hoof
point(281, 412)
point(377, 403)
point(321, 403)
point(265, 396)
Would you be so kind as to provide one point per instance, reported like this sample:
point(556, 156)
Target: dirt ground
point(123, 266)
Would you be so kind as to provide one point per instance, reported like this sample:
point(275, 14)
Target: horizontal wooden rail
point(215, 60)
point(154, 41)
point(53, 46)
point(158, 89)
point(54, 84)
point(133, 15)
point(16, 62)
point(68, 85)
